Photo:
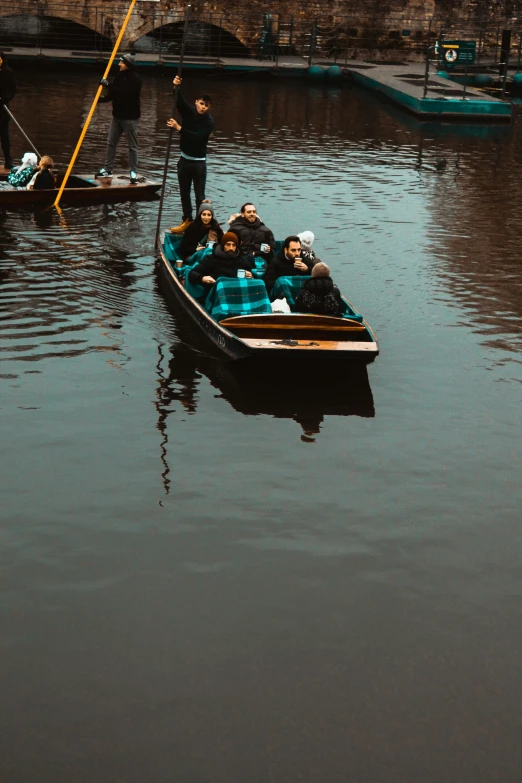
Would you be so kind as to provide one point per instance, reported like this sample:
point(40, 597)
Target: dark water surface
point(213, 578)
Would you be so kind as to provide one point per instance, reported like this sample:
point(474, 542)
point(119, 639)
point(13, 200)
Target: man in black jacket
point(124, 92)
point(225, 261)
point(194, 133)
point(256, 238)
point(7, 93)
point(287, 263)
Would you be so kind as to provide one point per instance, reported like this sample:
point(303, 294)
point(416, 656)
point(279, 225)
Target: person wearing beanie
point(7, 93)
point(225, 260)
point(204, 229)
point(194, 132)
point(124, 92)
point(319, 295)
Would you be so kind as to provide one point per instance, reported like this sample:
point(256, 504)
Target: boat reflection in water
point(291, 390)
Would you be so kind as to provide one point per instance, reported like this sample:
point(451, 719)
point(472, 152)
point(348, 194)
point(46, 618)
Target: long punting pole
point(171, 130)
point(24, 134)
point(94, 103)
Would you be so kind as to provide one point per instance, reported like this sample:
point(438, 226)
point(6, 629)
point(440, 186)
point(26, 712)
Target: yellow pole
point(95, 102)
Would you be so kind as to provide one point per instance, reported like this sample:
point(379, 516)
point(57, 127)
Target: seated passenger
point(44, 179)
point(255, 238)
point(22, 175)
point(307, 240)
point(319, 295)
point(287, 263)
point(205, 228)
point(225, 260)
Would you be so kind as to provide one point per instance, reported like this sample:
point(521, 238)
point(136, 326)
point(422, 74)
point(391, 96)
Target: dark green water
point(209, 580)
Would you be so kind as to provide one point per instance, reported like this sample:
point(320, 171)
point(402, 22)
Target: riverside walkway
point(401, 83)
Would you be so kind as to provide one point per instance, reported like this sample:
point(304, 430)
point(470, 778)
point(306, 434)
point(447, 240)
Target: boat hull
point(300, 342)
point(93, 192)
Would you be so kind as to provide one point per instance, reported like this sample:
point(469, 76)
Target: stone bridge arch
point(208, 34)
point(28, 20)
point(53, 25)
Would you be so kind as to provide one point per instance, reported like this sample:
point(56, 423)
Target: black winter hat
point(129, 60)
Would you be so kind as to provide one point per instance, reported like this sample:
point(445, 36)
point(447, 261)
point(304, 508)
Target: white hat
point(29, 159)
point(307, 239)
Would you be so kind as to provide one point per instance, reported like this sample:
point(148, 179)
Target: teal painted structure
point(443, 108)
point(316, 72)
point(334, 73)
point(483, 80)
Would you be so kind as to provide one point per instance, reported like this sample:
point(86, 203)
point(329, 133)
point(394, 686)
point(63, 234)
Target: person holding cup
point(226, 260)
point(288, 262)
point(256, 239)
point(200, 233)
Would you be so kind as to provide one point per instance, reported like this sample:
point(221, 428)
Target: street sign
point(454, 53)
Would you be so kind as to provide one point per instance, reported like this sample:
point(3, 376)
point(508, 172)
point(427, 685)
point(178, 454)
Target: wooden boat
point(81, 190)
point(292, 335)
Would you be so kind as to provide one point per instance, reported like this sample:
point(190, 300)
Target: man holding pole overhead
point(194, 133)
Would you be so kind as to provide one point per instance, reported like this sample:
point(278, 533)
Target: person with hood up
point(23, 174)
point(256, 238)
point(205, 228)
point(319, 295)
point(7, 93)
point(288, 262)
point(124, 92)
point(225, 261)
point(307, 240)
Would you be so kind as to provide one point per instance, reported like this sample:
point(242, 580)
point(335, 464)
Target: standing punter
point(124, 92)
point(194, 134)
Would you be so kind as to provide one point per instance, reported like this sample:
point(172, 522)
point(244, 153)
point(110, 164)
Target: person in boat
point(7, 93)
point(307, 239)
point(44, 179)
point(203, 230)
point(194, 132)
point(256, 239)
point(225, 261)
point(20, 176)
point(124, 92)
point(288, 262)
point(319, 295)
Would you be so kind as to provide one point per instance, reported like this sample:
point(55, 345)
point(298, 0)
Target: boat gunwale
point(94, 191)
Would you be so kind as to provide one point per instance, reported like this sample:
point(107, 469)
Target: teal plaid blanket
point(288, 288)
point(170, 246)
point(234, 296)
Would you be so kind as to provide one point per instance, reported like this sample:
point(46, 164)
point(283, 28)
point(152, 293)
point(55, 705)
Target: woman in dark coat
point(225, 261)
point(319, 295)
point(205, 228)
point(7, 93)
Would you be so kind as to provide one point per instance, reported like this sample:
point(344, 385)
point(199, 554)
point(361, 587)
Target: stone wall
point(375, 23)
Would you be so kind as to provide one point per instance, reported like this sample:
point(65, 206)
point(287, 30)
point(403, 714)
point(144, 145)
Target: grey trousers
point(130, 129)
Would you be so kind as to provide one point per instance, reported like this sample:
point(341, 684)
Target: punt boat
point(238, 335)
point(81, 189)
